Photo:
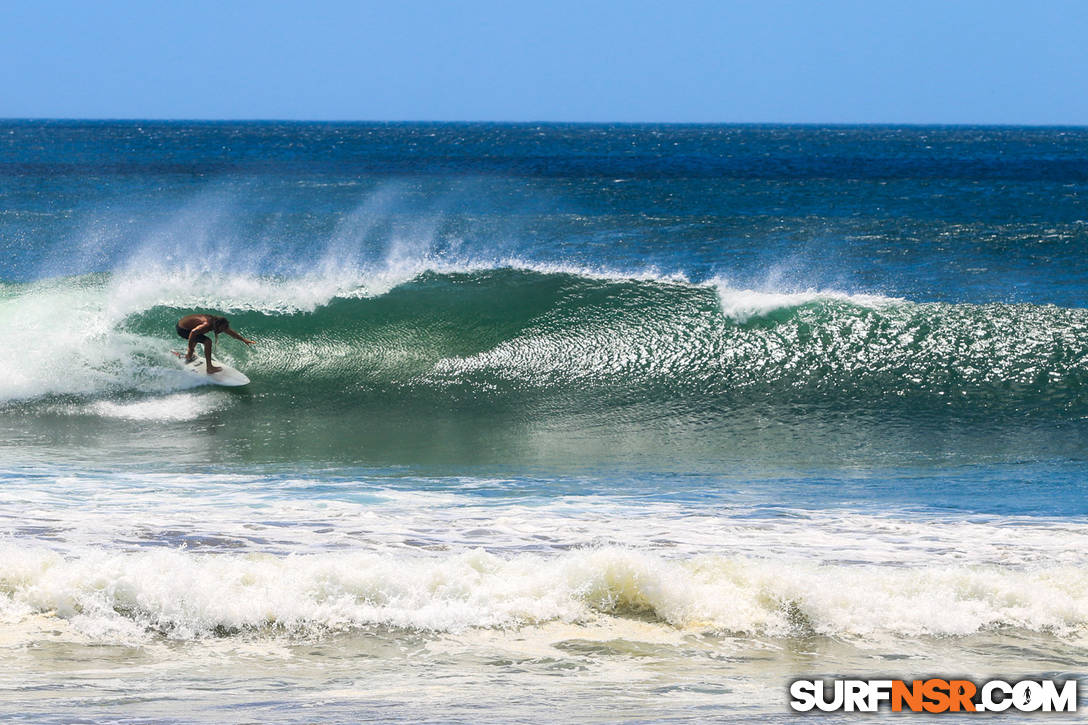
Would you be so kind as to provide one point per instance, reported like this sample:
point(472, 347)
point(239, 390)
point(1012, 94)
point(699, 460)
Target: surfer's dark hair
point(219, 324)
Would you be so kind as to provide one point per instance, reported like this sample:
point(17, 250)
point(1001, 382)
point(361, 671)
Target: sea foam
point(742, 304)
point(182, 406)
point(121, 597)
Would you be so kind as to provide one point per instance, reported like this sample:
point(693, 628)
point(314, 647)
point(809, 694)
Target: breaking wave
point(568, 336)
point(128, 597)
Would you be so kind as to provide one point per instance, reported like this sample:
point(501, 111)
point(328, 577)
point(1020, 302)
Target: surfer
point(193, 327)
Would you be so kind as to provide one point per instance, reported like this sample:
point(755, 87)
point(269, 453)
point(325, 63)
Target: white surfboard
point(227, 376)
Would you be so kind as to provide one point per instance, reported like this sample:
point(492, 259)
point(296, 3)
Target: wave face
point(573, 339)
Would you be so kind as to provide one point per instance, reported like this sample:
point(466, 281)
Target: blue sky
point(811, 61)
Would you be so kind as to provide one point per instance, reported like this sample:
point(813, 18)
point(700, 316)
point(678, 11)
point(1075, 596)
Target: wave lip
point(124, 597)
point(741, 305)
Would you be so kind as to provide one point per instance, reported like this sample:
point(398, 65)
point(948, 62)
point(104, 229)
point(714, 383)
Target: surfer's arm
point(236, 336)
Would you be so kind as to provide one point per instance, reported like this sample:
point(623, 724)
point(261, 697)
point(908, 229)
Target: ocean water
point(603, 423)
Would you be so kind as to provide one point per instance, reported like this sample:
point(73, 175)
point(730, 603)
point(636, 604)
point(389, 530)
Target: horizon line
point(466, 122)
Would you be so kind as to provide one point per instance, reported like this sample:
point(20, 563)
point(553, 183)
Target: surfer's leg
point(208, 358)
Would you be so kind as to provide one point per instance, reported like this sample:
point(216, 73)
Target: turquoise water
point(614, 422)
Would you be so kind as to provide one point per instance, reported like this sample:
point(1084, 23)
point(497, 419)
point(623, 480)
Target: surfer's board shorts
point(182, 332)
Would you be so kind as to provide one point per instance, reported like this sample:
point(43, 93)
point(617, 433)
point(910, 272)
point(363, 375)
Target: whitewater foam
point(183, 406)
point(116, 597)
point(162, 563)
point(741, 305)
point(68, 345)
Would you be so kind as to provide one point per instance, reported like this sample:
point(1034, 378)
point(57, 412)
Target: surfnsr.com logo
point(933, 695)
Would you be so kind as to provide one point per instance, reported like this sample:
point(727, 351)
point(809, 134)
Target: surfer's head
point(219, 324)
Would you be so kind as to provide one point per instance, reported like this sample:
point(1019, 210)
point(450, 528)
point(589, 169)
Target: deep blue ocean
point(604, 422)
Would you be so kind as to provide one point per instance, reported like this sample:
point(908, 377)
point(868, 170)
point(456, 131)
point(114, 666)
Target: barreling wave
point(580, 340)
point(504, 332)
